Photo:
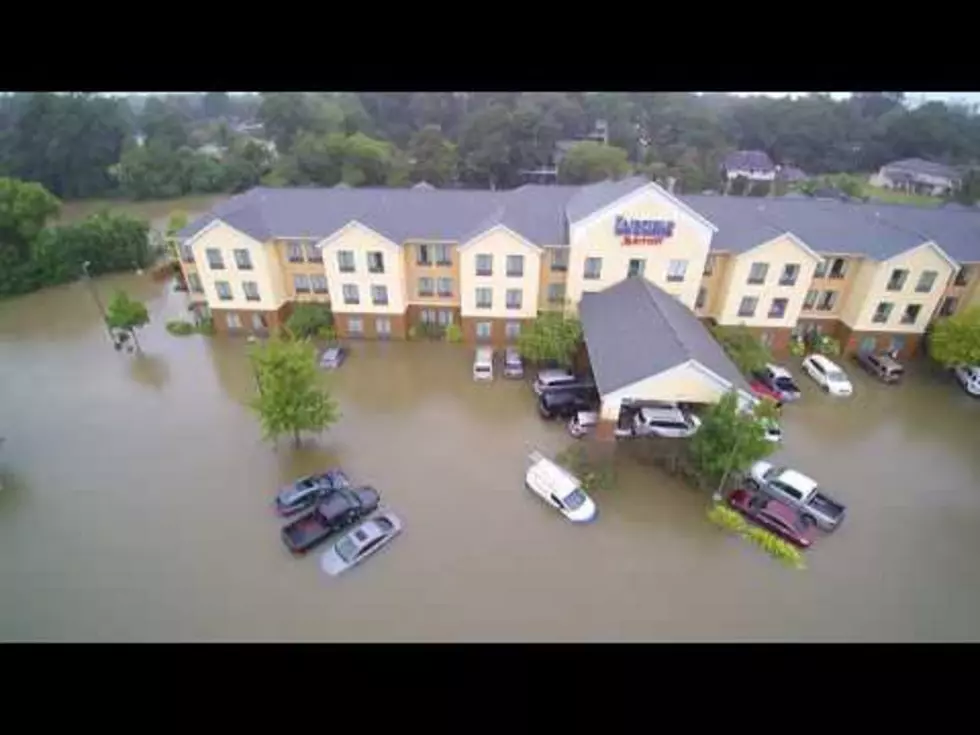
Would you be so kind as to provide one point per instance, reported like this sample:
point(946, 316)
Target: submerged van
point(483, 364)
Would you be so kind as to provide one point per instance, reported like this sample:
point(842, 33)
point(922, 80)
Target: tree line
point(82, 145)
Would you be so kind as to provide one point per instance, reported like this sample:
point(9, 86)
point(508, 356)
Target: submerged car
point(828, 375)
point(552, 379)
point(780, 381)
point(371, 536)
point(582, 423)
point(513, 363)
point(881, 365)
point(339, 510)
point(566, 403)
point(309, 490)
point(332, 358)
point(969, 377)
point(797, 491)
point(774, 516)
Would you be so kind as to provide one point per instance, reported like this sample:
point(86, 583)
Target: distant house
point(790, 174)
point(918, 176)
point(752, 165)
point(548, 174)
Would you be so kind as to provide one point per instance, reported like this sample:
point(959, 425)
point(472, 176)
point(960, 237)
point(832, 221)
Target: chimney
point(671, 182)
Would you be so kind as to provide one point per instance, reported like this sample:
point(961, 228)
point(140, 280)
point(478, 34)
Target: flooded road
point(138, 499)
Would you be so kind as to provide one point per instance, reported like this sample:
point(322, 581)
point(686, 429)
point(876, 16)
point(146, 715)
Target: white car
point(559, 489)
point(667, 421)
point(356, 546)
point(774, 432)
point(969, 377)
point(827, 375)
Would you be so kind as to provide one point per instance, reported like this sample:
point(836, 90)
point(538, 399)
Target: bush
point(206, 326)
point(309, 320)
point(180, 328)
point(413, 332)
point(745, 349)
point(550, 337)
point(732, 521)
point(797, 347)
point(453, 333)
point(594, 474)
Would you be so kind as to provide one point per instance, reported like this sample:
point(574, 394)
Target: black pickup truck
point(341, 509)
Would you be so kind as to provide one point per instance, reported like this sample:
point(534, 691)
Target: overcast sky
point(971, 98)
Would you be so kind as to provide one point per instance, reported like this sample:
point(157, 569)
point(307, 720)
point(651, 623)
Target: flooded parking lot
point(138, 493)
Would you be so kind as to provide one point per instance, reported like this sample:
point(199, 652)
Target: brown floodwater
point(138, 490)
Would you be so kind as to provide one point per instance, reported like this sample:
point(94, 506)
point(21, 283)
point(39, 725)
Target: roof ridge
point(652, 291)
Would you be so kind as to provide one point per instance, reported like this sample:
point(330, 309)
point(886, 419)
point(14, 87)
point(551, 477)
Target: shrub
point(413, 332)
point(780, 550)
point(594, 474)
point(309, 320)
point(454, 333)
point(797, 348)
point(180, 328)
point(552, 337)
point(745, 349)
point(726, 518)
point(206, 326)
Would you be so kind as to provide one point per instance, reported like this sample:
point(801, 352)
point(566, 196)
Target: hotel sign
point(643, 231)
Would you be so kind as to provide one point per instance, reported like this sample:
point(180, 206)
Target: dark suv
point(566, 403)
point(882, 366)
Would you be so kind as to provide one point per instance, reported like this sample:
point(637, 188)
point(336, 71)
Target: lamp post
point(98, 302)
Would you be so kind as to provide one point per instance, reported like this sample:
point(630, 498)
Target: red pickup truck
point(342, 508)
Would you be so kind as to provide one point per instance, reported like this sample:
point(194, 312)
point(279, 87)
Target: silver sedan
point(359, 544)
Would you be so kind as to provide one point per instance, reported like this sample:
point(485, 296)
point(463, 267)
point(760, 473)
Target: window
point(827, 301)
point(243, 260)
point(701, 299)
point(484, 298)
point(215, 261)
point(444, 287)
point(424, 255)
point(484, 265)
point(791, 271)
point(319, 284)
point(636, 267)
point(442, 255)
point(224, 290)
point(294, 252)
point(948, 307)
point(747, 307)
point(512, 330)
point(786, 489)
point(777, 310)
point(709, 265)
point(810, 299)
point(251, 289)
point(194, 281)
point(926, 281)
point(515, 266)
point(376, 262)
point(593, 268)
point(187, 253)
point(897, 279)
point(313, 253)
point(556, 293)
point(483, 330)
point(382, 327)
point(758, 273)
point(838, 268)
point(676, 269)
point(962, 276)
point(911, 313)
point(559, 259)
point(351, 295)
point(379, 295)
point(897, 344)
point(444, 317)
point(233, 320)
point(514, 298)
point(355, 325)
point(427, 316)
point(345, 261)
point(821, 270)
point(868, 344)
point(882, 312)
point(765, 338)
point(258, 323)
point(426, 286)
point(301, 283)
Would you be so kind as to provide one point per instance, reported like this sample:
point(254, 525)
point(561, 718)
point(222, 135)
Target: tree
point(588, 161)
point(163, 122)
point(955, 340)
point(310, 320)
point(968, 192)
point(740, 186)
point(289, 399)
point(25, 207)
point(216, 104)
point(730, 439)
point(552, 337)
point(127, 315)
point(743, 347)
point(433, 158)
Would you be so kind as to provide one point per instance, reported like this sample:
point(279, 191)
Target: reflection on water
point(138, 492)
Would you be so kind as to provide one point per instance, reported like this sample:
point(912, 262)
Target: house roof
point(542, 214)
point(746, 160)
point(634, 330)
point(792, 173)
point(921, 166)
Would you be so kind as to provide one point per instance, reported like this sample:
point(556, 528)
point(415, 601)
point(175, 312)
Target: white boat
point(559, 489)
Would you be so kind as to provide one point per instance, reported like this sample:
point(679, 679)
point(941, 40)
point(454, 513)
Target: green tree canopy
point(127, 315)
point(290, 398)
point(955, 340)
point(310, 320)
point(552, 337)
point(25, 208)
point(743, 347)
point(588, 161)
point(433, 158)
point(729, 439)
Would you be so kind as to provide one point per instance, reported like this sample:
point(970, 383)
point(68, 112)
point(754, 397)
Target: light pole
point(98, 302)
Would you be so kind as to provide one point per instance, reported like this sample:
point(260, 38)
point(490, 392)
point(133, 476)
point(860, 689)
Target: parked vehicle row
point(484, 359)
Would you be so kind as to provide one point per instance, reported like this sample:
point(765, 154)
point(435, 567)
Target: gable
point(785, 248)
point(219, 234)
point(650, 204)
point(927, 256)
point(356, 236)
point(502, 238)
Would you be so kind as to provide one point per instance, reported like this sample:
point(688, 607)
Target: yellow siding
point(414, 271)
point(548, 277)
point(860, 281)
point(361, 240)
point(776, 253)
point(918, 259)
point(597, 238)
point(499, 243)
point(681, 383)
point(716, 283)
point(227, 239)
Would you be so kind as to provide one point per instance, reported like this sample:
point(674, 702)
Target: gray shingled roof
point(590, 198)
point(748, 160)
point(634, 330)
point(921, 166)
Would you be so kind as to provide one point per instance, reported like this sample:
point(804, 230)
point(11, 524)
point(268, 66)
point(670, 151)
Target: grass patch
point(893, 196)
point(182, 328)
